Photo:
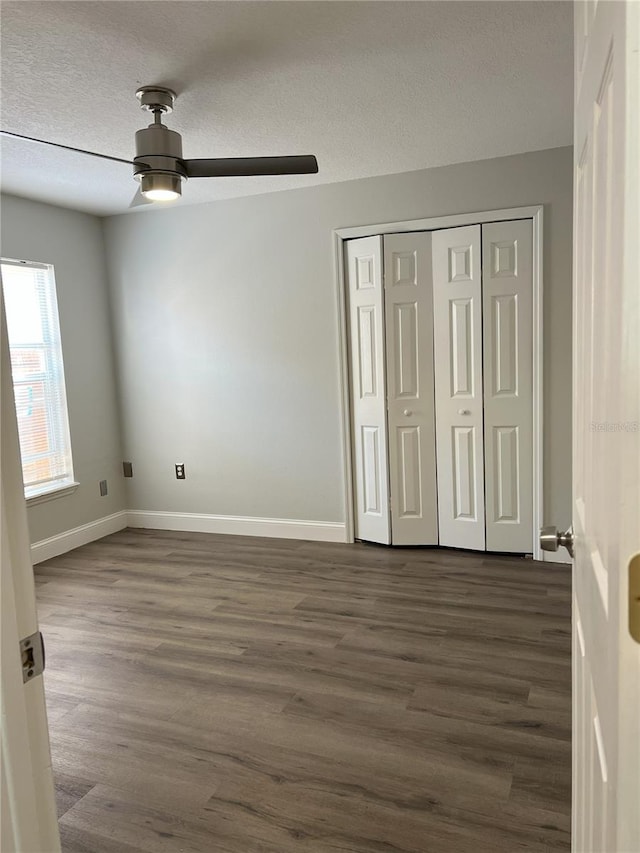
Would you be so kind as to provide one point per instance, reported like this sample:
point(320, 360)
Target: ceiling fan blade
point(228, 167)
point(66, 147)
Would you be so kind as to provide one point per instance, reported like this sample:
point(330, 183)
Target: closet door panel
point(507, 279)
point(363, 263)
point(409, 353)
point(457, 315)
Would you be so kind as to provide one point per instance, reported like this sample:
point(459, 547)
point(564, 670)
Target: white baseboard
point(70, 539)
point(280, 528)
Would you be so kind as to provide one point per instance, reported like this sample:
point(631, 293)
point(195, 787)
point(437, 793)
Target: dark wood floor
point(218, 694)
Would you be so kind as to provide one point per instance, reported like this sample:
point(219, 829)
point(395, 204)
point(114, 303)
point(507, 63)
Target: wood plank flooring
point(238, 695)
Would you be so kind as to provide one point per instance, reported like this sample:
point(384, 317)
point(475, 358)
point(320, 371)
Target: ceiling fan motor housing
point(158, 151)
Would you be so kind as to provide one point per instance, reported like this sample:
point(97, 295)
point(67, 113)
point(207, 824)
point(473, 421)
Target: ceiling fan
point(159, 165)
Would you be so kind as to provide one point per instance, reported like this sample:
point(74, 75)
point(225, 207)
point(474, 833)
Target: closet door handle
point(464, 411)
point(407, 413)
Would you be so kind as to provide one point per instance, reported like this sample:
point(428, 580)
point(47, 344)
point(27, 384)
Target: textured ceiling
point(369, 87)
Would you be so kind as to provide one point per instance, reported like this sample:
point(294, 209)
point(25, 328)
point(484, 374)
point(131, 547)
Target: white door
point(368, 391)
point(457, 317)
point(29, 822)
point(606, 415)
point(507, 320)
point(408, 295)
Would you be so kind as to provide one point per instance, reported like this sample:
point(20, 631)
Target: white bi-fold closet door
point(440, 333)
point(391, 361)
point(483, 345)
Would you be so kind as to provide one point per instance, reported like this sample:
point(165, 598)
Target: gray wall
point(227, 339)
point(73, 243)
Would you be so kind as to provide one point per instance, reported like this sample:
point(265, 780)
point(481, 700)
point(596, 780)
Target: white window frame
point(40, 492)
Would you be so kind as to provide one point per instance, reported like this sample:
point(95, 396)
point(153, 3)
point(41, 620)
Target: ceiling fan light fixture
point(161, 187)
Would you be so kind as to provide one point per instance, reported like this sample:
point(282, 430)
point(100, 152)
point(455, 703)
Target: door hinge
point(634, 597)
point(32, 653)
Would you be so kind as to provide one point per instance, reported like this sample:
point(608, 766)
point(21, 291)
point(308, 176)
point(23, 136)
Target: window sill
point(51, 494)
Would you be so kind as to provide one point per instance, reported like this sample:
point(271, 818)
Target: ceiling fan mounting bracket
point(156, 99)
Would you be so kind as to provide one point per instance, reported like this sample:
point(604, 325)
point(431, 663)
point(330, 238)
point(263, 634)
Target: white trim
point(70, 539)
point(538, 374)
point(433, 224)
point(52, 494)
point(281, 528)
point(345, 403)
point(16, 262)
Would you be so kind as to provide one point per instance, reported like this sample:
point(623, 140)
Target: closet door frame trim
point(340, 235)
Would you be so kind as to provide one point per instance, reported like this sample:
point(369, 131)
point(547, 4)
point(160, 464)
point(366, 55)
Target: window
point(38, 376)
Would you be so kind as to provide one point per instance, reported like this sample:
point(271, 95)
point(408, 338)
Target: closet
point(441, 359)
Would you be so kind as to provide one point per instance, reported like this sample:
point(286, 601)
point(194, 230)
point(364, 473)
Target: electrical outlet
point(127, 469)
point(180, 475)
point(103, 488)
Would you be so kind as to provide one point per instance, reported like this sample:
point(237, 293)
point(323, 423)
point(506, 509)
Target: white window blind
point(38, 375)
